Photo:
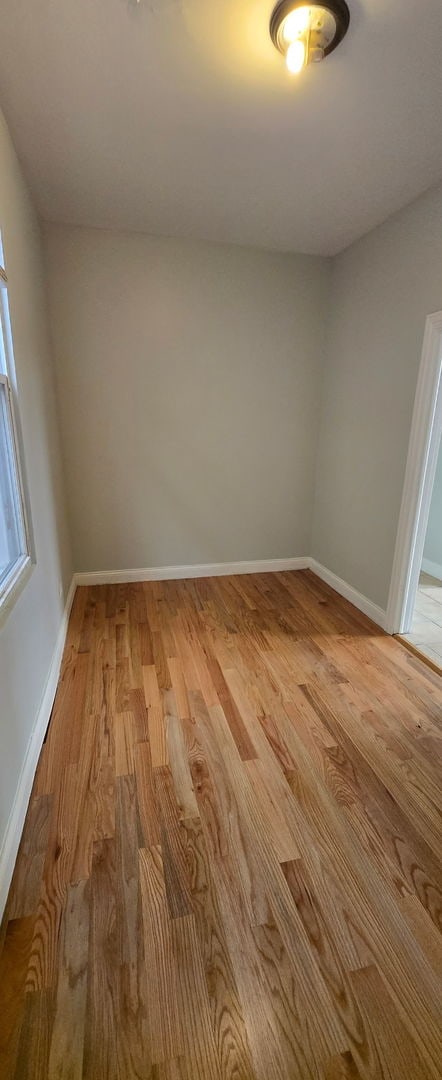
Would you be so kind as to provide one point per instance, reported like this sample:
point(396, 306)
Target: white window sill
point(12, 587)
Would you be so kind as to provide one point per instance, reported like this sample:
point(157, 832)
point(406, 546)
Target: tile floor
point(426, 628)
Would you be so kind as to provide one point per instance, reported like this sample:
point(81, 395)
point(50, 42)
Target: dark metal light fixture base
point(328, 23)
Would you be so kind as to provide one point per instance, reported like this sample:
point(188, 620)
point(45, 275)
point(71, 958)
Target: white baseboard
point(14, 828)
point(433, 568)
point(375, 613)
point(172, 573)
point(256, 566)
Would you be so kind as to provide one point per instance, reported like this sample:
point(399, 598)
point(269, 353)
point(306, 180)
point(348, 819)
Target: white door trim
point(419, 478)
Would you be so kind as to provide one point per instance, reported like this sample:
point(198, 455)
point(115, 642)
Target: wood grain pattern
point(162, 1003)
point(230, 867)
point(67, 1040)
point(13, 966)
point(35, 1036)
point(24, 896)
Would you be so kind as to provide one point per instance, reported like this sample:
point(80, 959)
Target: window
point(14, 544)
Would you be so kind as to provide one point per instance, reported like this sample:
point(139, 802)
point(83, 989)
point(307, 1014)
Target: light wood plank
point(66, 1051)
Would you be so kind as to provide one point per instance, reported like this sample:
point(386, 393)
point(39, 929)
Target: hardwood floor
point(230, 866)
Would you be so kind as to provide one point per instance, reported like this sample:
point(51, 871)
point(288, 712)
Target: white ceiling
point(178, 117)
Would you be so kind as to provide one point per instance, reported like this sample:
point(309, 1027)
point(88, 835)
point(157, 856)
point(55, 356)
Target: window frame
point(15, 576)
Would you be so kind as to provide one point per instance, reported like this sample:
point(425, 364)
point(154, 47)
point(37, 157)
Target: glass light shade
point(296, 23)
point(296, 56)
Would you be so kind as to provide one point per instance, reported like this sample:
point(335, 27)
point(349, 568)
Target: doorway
point(425, 634)
point(409, 583)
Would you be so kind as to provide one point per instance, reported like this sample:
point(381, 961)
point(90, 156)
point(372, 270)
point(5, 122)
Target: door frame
point(420, 470)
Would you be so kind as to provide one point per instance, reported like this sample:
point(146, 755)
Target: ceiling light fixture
point(305, 33)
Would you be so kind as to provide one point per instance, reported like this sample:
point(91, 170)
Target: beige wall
point(383, 287)
point(28, 634)
point(188, 378)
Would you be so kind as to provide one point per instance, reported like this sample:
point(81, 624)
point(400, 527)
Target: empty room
point(220, 540)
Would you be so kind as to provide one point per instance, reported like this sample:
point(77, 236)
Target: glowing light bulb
point(295, 57)
point(296, 23)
